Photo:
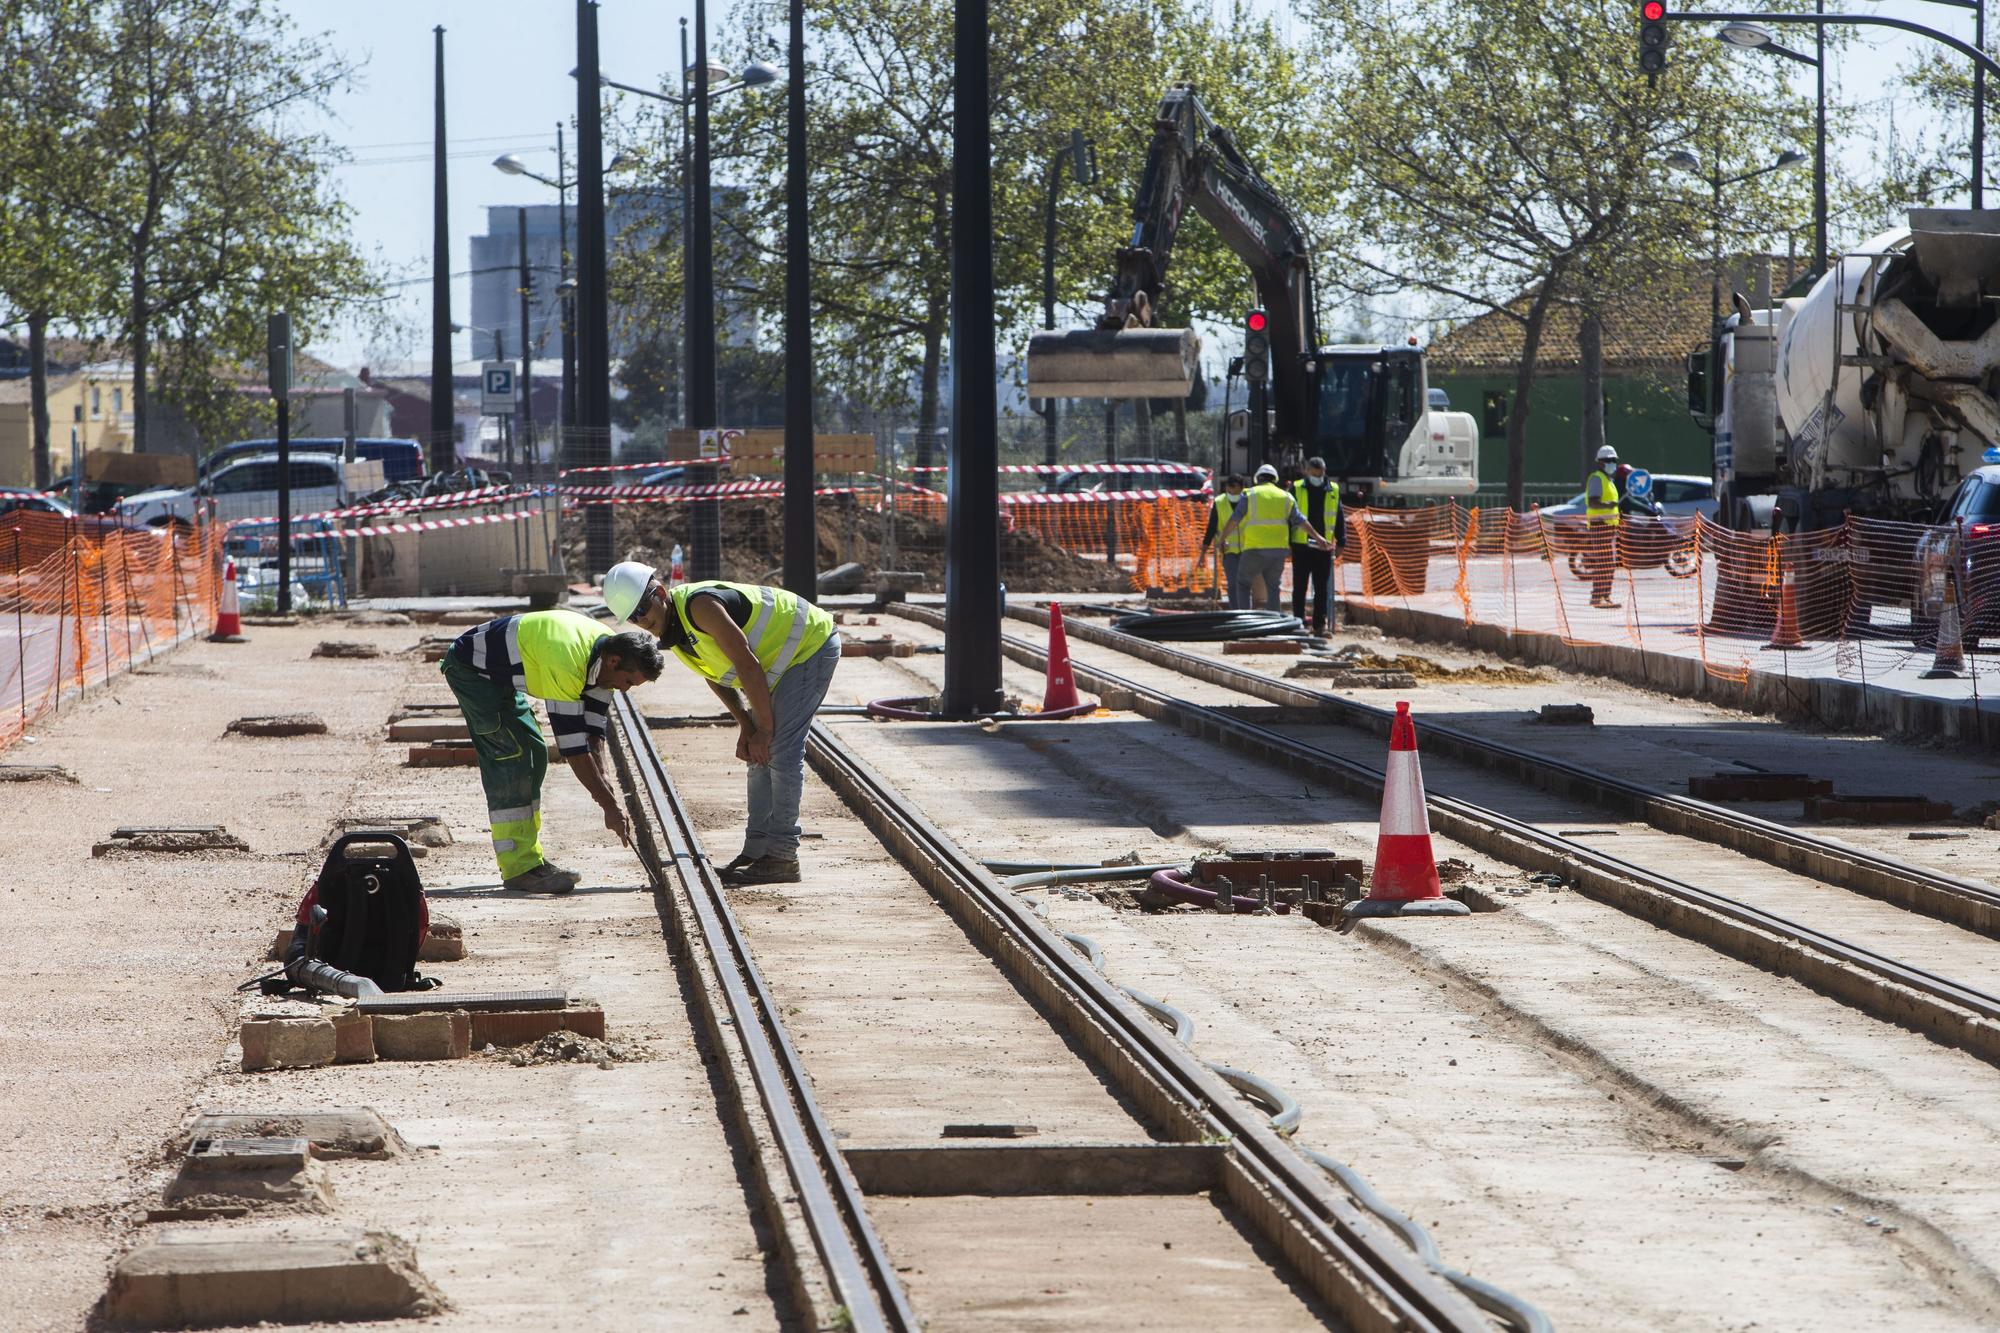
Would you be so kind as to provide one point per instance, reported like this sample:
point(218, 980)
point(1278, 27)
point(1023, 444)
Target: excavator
point(1365, 409)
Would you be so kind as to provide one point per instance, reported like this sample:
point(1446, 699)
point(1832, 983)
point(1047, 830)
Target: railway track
point(1957, 1013)
point(1962, 902)
point(817, 1189)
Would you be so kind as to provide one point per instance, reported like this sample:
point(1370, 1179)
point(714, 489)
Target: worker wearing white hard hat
point(769, 656)
point(1602, 512)
point(1268, 517)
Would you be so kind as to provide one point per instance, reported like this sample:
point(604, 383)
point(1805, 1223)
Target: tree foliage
point(1518, 162)
point(167, 156)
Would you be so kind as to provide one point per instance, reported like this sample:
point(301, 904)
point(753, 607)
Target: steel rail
point(1415, 1298)
point(1963, 902)
point(1553, 849)
point(860, 1274)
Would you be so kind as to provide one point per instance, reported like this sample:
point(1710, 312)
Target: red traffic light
point(1653, 11)
point(1255, 321)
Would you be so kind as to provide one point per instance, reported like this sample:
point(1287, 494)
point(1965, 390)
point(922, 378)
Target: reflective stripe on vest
point(551, 652)
point(1301, 489)
point(1603, 510)
point(781, 631)
point(1268, 527)
point(1225, 505)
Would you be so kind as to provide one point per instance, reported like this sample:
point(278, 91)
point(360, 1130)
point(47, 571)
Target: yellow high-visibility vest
point(1268, 524)
point(783, 629)
point(1604, 509)
point(1301, 489)
point(1225, 505)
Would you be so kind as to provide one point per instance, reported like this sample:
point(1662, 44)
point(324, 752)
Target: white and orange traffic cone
point(1405, 882)
point(1059, 696)
point(1949, 661)
point(1785, 637)
point(228, 615)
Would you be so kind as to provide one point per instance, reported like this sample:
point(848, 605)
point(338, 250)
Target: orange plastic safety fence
point(1083, 543)
point(77, 606)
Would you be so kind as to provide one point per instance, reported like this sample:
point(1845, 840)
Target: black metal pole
point(705, 522)
point(524, 433)
point(1819, 159)
point(284, 505)
point(442, 417)
point(972, 509)
point(1049, 407)
point(593, 368)
point(687, 245)
point(1978, 106)
point(801, 532)
point(566, 303)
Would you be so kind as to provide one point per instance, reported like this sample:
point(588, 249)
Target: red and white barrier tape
point(1050, 469)
point(426, 525)
point(1095, 497)
point(482, 495)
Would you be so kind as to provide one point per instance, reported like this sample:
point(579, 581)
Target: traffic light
point(1652, 36)
point(1256, 346)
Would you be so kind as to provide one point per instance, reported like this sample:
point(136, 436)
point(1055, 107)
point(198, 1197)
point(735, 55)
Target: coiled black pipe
point(1208, 626)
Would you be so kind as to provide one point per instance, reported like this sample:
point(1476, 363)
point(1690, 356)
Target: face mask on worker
point(1315, 478)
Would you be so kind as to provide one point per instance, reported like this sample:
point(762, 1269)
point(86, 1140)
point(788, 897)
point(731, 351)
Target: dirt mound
point(569, 1048)
point(753, 545)
point(1425, 669)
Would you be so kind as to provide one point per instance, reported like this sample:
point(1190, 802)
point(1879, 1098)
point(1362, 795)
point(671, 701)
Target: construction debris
point(345, 648)
point(36, 773)
point(203, 838)
point(296, 1274)
point(278, 724)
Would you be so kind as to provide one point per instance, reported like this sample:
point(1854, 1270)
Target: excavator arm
point(1192, 162)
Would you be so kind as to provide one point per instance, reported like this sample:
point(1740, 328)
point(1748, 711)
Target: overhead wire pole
point(441, 453)
point(593, 361)
point(972, 506)
point(705, 516)
point(525, 430)
point(801, 532)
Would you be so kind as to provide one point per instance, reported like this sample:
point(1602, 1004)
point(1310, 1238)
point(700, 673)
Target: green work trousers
point(513, 760)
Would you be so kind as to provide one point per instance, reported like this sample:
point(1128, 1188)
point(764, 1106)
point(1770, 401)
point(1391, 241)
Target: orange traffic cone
point(228, 615)
point(1405, 882)
point(1785, 637)
point(1060, 694)
point(1949, 661)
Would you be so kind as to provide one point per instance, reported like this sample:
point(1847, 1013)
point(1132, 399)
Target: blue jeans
point(772, 825)
point(1269, 564)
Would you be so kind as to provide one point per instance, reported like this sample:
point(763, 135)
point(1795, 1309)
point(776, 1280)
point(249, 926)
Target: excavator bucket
point(1122, 363)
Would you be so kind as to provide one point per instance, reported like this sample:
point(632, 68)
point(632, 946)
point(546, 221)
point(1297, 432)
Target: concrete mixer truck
point(1870, 395)
point(1365, 409)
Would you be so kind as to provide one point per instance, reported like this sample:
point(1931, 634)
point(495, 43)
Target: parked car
point(20, 500)
point(245, 488)
point(1968, 528)
point(1672, 496)
point(1147, 474)
point(402, 460)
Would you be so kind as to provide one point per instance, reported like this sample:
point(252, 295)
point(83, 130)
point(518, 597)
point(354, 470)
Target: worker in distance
point(573, 664)
point(769, 656)
point(1268, 516)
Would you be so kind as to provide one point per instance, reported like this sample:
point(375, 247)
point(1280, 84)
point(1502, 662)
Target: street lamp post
point(1748, 37)
point(565, 285)
point(440, 451)
point(705, 544)
point(1080, 155)
point(593, 415)
point(1746, 30)
point(1717, 182)
point(801, 561)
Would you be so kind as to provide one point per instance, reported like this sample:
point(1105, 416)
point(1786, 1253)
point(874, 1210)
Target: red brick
point(517, 1027)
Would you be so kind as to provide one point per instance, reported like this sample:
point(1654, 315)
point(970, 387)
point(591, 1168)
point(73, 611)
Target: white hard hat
point(1267, 471)
point(1606, 451)
point(624, 586)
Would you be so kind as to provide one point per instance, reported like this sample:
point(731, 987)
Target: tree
point(201, 203)
point(879, 140)
point(1510, 163)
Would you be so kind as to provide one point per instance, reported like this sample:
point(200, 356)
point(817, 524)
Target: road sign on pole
point(496, 389)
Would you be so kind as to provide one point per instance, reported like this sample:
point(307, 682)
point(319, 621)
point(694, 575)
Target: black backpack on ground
point(366, 913)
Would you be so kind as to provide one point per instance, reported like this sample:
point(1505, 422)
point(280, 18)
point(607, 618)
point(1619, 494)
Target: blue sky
point(507, 64)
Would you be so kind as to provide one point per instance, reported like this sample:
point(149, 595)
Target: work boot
point(544, 878)
point(736, 863)
point(765, 870)
point(1604, 604)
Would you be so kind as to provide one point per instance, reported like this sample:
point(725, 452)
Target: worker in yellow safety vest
point(1268, 517)
point(1232, 548)
point(573, 664)
point(1318, 499)
point(769, 656)
point(1600, 510)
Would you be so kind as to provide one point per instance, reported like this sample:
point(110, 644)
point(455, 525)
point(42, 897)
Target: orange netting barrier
point(1152, 543)
point(1867, 600)
point(77, 606)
